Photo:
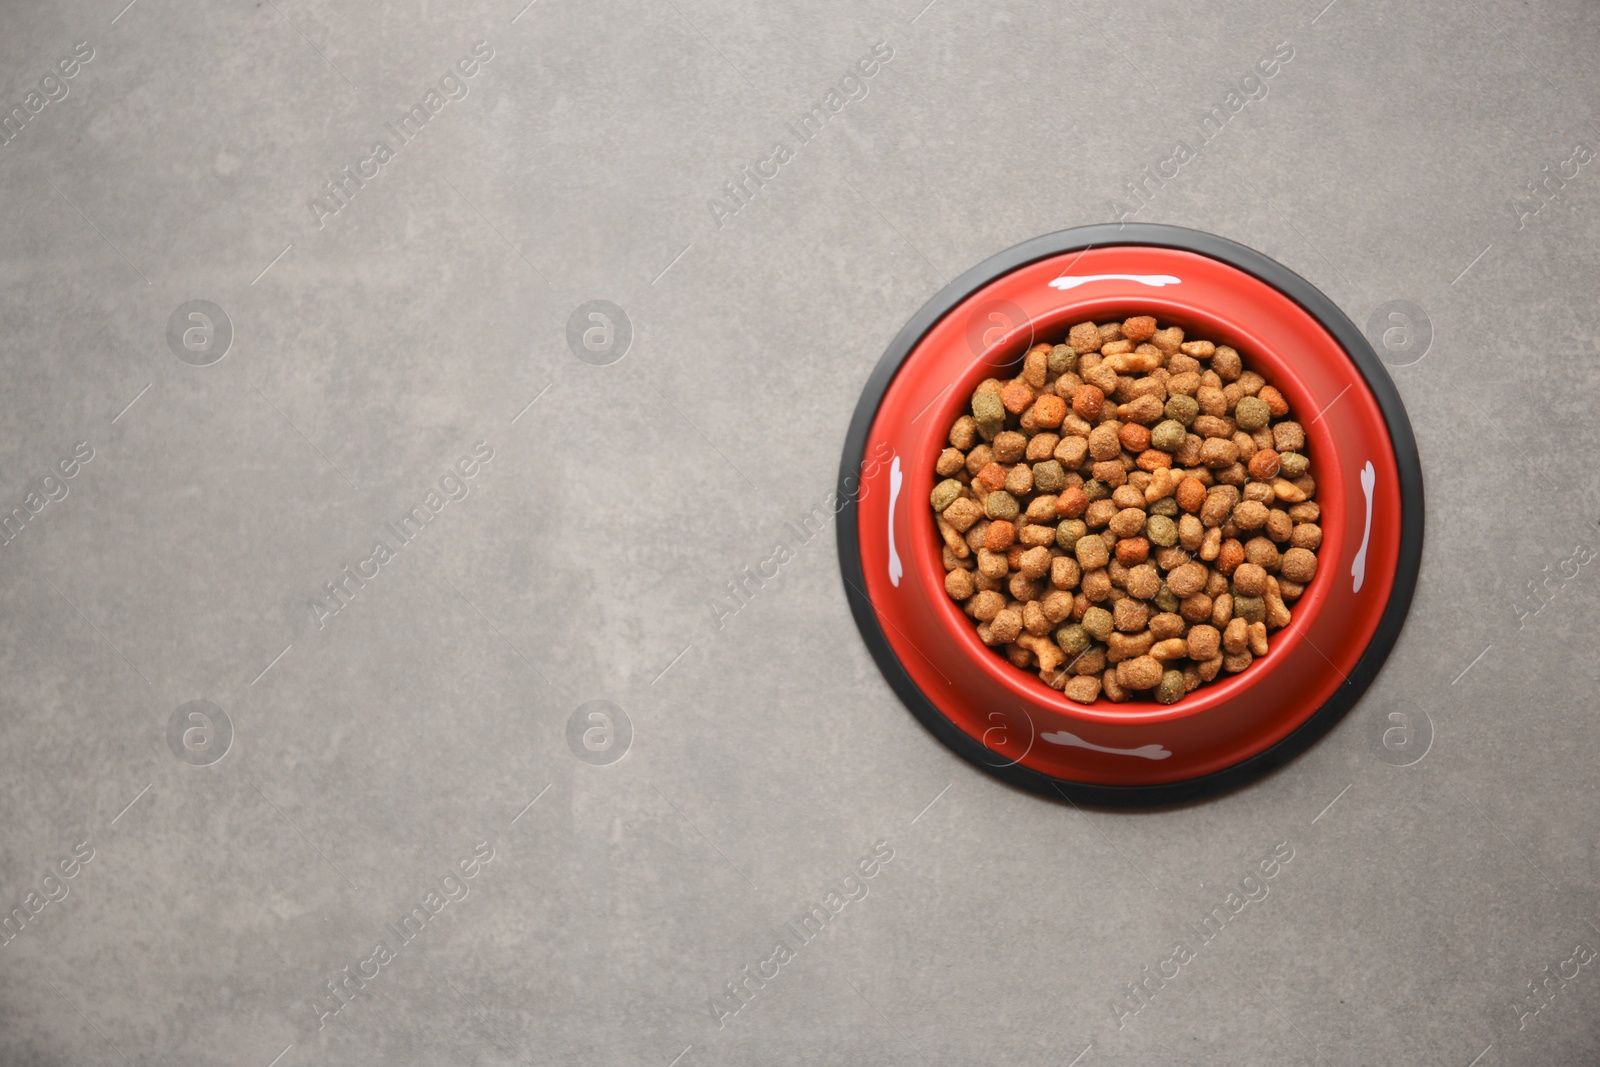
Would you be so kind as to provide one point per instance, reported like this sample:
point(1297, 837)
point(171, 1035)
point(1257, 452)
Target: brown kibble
point(1132, 362)
point(1099, 513)
point(1258, 639)
point(962, 514)
point(1023, 589)
point(1091, 552)
point(992, 564)
point(1130, 615)
point(1219, 504)
point(1009, 446)
point(1072, 449)
point(959, 584)
point(986, 605)
point(1168, 340)
point(1019, 481)
point(1034, 621)
point(1141, 672)
point(1084, 337)
point(1250, 515)
point(1202, 642)
point(1139, 328)
point(1236, 637)
point(1226, 363)
point(1171, 648)
point(1035, 563)
point(950, 461)
point(1128, 522)
point(1212, 545)
point(1249, 579)
point(1120, 646)
point(1166, 624)
point(1083, 690)
point(964, 433)
point(1288, 492)
point(1280, 527)
point(1262, 552)
point(1006, 626)
point(953, 542)
point(1307, 535)
point(1278, 614)
point(1041, 445)
point(1222, 610)
point(1187, 580)
point(1065, 572)
point(1233, 664)
point(1289, 436)
point(1036, 536)
point(1299, 565)
point(1195, 609)
point(1056, 605)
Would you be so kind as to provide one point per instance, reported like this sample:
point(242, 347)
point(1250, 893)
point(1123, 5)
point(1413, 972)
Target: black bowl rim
point(1320, 308)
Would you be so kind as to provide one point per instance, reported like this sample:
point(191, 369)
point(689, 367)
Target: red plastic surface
point(1010, 711)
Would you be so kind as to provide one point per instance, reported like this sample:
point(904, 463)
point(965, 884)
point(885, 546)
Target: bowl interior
point(999, 359)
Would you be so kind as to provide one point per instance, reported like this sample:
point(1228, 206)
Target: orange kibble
point(1191, 494)
point(1049, 410)
point(1132, 550)
point(1135, 438)
point(1152, 459)
point(1072, 503)
point(992, 477)
point(1016, 396)
point(1000, 536)
point(1088, 401)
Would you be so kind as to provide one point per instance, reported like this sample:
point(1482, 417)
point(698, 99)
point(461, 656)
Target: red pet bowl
point(1369, 485)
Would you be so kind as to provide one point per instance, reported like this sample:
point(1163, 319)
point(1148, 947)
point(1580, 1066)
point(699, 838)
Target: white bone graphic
point(1071, 740)
point(1070, 281)
point(895, 570)
point(1358, 569)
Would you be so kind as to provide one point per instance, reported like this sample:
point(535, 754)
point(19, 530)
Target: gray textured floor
point(366, 755)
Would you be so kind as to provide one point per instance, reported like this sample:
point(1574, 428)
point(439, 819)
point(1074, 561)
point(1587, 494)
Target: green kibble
point(1182, 408)
point(1165, 506)
point(1293, 464)
point(1165, 600)
point(1049, 476)
point(946, 493)
point(1072, 639)
point(1062, 359)
point(990, 413)
point(1251, 413)
point(1098, 623)
point(1250, 608)
point(1001, 505)
point(1095, 489)
point(1168, 435)
point(1161, 531)
point(1068, 532)
point(1170, 689)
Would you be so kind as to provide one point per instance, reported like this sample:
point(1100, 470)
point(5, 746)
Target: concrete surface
point(367, 755)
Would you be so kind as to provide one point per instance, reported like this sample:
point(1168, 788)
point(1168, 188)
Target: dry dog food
point(1131, 515)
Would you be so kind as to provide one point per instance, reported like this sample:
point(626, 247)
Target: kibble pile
point(1132, 514)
